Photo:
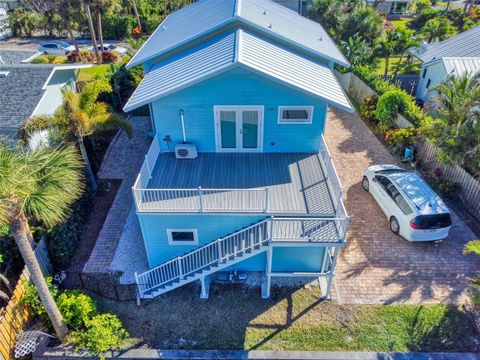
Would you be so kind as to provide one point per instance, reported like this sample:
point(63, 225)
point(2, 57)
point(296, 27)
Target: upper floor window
point(295, 114)
point(182, 236)
point(424, 73)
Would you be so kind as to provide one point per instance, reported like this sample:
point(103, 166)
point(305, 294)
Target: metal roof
point(245, 49)
point(466, 44)
point(461, 66)
point(208, 16)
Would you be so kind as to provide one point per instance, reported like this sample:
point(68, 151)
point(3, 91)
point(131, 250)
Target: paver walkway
point(122, 161)
point(378, 266)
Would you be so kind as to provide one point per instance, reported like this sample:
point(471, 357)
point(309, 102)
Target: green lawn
point(237, 318)
point(87, 74)
point(415, 69)
point(402, 23)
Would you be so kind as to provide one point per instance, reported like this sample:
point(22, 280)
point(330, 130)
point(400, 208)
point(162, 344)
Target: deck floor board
point(296, 181)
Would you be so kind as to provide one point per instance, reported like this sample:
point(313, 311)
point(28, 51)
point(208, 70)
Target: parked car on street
point(413, 209)
point(110, 47)
point(56, 48)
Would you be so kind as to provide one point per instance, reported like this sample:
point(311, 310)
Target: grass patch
point(88, 74)
point(400, 24)
point(237, 318)
point(394, 62)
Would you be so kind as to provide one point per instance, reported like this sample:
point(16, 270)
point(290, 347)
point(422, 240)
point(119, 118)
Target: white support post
point(268, 281)
point(219, 246)
point(180, 268)
point(200, 204)
point(332, 274)
point(265, 209)
point(138, 288)
point(148, 167)
point(339, 201)
point(205, 287)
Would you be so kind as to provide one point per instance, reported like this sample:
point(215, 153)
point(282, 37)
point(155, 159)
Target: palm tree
point(88, 14)
point(405, 39)
point(80, 115)
point(137, 16)
point(102, 7)
point(387, 47)
point(437, 29)
point(41, 185)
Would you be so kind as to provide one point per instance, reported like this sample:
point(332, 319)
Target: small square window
point(182, 236)
point(428, 83)
point(295, 114)
point(424, 73)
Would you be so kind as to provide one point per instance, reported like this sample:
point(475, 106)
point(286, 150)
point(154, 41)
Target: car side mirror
point(375, 179)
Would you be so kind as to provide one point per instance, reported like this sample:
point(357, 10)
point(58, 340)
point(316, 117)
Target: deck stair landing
point(236, 247)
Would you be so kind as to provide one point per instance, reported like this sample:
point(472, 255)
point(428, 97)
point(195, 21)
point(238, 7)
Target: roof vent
point(264, 12)
point(270, 26)
point(164, 28)
point(4, 74)
point(321, 38)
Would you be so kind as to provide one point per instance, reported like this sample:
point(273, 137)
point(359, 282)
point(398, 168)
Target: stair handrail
point(142, 285)
point(175, 268)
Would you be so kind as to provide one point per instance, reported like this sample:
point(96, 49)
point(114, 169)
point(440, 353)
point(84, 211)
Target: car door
point(380, 192)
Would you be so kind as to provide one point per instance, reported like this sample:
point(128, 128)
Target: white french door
point(239, 128)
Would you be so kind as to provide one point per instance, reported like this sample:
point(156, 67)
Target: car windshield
point(435, 221)
point(63, 44)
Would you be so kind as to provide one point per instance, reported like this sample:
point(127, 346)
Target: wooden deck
point(296, 181)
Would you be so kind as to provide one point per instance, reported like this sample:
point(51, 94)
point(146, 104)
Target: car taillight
point(413, 225)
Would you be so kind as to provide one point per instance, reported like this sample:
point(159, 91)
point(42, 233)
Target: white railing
point(148, 165)
point(225, 250)
point(333, 181)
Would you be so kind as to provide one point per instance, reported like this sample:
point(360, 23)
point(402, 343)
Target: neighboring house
point(5, 7)
point(238, 176)
point(390, 7)
point(27, 90)
point(456, 55)
point(10, 57)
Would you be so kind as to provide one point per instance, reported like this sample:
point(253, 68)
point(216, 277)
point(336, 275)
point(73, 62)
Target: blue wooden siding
point(239, 87)
point(210, 228)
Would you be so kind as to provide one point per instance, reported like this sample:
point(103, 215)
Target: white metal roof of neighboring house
point(265, 16)
point(466, 44)
point(244, 49)
point(461, 66)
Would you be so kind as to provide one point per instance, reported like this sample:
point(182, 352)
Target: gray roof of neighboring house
point(460, 66)
point(466, 44)
point(9, 57)
point(20, 90)
point(263, 16)
point(239, 48)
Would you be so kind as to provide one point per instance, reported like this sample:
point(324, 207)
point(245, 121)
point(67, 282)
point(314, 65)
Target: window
point(393, 192)
point(182, 236)
point(428, 83)
point(424, 73)
point(295, 114)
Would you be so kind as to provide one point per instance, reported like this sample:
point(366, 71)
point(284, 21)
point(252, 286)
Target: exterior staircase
point(205, 260)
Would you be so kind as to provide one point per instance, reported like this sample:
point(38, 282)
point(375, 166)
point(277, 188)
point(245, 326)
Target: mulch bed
point(99, 208)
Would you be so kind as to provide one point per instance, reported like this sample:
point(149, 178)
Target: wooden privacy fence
point(469, 192)
point(15, 316)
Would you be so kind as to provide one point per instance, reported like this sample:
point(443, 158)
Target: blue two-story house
point(238, 176)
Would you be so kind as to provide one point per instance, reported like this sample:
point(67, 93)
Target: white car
point(109, 47)
point(56, 48)
point(413, 209)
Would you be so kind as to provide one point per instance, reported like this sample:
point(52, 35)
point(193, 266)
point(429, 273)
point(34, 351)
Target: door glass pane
point(250, 129)
point(227, 129)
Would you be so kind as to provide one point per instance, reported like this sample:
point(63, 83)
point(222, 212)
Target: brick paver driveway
point(378, 266)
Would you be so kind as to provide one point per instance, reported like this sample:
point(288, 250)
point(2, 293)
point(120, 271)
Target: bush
point(367, 108)
point(40, 60)
point(117, 26)
point(402, 137)
point(104, 332)
point(390, 104)
point(109, 57)
point(31, 299)
point(24, 22)
point(76, 308)
point(62, 240)
point(136, 33)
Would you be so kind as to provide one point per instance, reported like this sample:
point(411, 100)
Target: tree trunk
point(135, 10)
point(70, 34)
point(398, 65)
point(92, 31)
point(88, 166)
point(448, 5)
point(465, 8)
point(18, 227)
point(100, 30)
point(387, 61)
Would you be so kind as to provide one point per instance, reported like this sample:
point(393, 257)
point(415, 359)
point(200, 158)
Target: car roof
point(418, 193)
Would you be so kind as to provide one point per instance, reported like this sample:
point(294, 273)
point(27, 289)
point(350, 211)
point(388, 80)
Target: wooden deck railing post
point(266, 200)
point(180, 267)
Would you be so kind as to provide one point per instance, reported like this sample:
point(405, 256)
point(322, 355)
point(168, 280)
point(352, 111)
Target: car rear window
point(433, 221)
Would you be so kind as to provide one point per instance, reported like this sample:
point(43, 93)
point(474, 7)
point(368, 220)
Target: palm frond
point(35, 124)
point(107, 120)
point(472, 247)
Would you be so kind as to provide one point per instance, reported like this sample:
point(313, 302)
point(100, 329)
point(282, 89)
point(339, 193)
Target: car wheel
point(394, 225)
point(365, 184)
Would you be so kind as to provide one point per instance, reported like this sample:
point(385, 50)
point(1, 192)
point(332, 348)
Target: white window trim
point(172, 242)
point(281, 108)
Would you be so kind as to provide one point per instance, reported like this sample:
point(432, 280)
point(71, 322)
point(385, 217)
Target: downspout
point(183, 126)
